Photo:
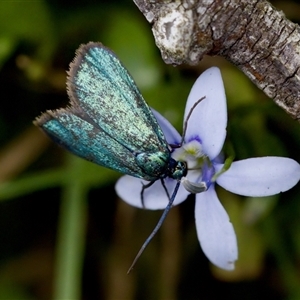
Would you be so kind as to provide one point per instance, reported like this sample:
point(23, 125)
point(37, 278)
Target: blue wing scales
point(103, 88)
point(83, 139)
point(108, 121)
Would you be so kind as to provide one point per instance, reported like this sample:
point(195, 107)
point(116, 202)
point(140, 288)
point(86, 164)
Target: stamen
point(193, 187)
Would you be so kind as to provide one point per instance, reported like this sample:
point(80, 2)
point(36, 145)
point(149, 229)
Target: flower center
point(200, 168)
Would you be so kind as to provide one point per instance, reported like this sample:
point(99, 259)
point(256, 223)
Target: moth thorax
point(155, 164)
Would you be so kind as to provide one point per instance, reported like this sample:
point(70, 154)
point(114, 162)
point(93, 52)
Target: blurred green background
point(64, 234)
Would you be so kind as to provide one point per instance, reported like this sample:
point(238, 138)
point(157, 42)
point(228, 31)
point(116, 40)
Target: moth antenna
point(187, 119)
point(156, 228)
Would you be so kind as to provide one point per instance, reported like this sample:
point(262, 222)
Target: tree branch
point(251, 34)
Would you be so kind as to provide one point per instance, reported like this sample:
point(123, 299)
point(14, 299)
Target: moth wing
point(83, 139)
point(106, 92)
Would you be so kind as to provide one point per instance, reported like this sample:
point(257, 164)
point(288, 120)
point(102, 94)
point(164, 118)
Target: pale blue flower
point(204, 139)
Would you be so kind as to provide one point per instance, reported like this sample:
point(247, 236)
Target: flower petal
point(129, 189)
point(257, 177)
point(208, 120)
point(171, 134)
point(215, 232)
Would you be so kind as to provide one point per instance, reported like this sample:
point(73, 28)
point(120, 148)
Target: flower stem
point(71, 240)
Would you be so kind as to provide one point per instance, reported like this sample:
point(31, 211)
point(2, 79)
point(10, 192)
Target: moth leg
point(165, 188)
point(145, 186)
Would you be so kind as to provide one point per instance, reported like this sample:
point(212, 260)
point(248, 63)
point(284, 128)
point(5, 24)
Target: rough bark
point(251, 34)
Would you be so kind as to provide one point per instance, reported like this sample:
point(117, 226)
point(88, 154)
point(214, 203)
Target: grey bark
point(251, 34)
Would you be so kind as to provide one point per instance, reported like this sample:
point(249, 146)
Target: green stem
point(71, 240)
